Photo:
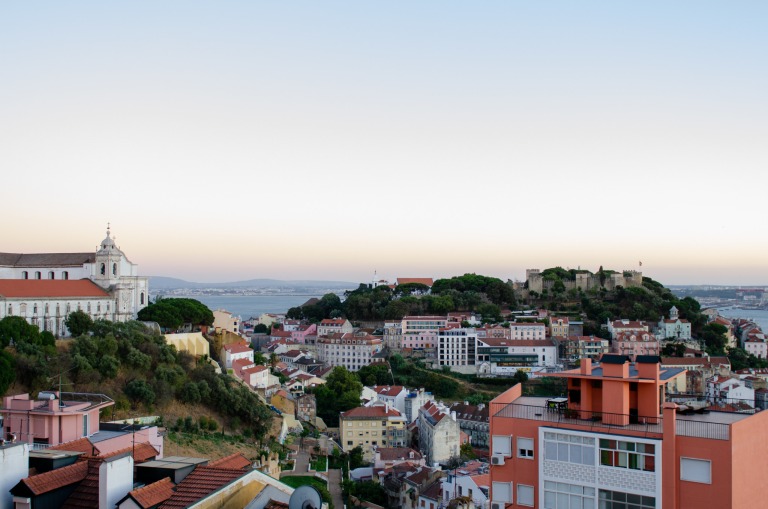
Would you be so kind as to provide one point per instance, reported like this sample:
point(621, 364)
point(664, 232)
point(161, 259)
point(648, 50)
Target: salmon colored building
point(613, 442)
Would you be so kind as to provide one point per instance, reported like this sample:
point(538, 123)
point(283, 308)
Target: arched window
point(34, 309)
point(38, 275)
point(103, 269)
point(46, 309)
point(114, 269)
point(65, 275)
point(142, 298)
point(98, 307)
point(51, 275)
point(24, 275)
point(69, 307)
point(10, 309)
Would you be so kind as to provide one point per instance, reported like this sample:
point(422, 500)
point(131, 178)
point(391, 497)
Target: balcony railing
point(591, 420)
point(606, 422)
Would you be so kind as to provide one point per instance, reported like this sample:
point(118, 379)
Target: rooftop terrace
point(713, 425)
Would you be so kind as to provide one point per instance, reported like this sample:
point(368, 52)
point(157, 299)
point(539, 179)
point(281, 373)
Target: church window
point(98, 307)
point(142, 298)
point(103, 269)
point(68, 307)
point(38, 275)
point(46, 309)
point(23, 309)
point(34, 309)
point(58, 308)
point(24, 275)
point(50, 275)
point(114, 269)
point(89, 308)
point(107, 307)
point(65, 275)
point(10, 309)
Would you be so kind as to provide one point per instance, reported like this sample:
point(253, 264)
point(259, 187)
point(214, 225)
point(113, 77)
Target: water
point(759, 316)
point(246, 306)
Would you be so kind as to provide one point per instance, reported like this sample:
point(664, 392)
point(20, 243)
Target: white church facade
point(44, 288)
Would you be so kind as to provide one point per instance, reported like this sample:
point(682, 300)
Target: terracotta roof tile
point(153, 494)
point(86, 495)
point(420, 280)
point(25, 288)
point(49, 481)
point(199, 484)
point(235, 461)
point(371, 412)
point(46, 259)
point(80, 445)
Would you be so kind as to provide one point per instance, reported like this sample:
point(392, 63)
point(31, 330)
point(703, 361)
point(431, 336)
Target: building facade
point(56, 282)
point(614, 442)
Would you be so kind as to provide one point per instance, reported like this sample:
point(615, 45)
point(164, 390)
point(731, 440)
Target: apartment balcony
point(713, 425)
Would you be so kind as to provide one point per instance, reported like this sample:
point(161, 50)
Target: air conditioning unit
point(497, 459)
point(497, 505)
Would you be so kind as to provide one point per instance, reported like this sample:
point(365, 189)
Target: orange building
point(614, 442)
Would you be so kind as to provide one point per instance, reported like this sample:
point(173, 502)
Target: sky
point(232, 140)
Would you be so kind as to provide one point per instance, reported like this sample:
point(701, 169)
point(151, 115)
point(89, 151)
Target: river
point(247, 306)
point(759, 316)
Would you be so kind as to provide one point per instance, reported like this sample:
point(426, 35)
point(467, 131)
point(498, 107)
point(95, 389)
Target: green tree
point(15, 329)
point(673, 350)
point(78, 323)
point(7, 371)
point(139, 391)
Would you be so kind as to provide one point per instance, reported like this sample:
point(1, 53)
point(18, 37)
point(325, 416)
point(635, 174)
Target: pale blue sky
point(236, 139)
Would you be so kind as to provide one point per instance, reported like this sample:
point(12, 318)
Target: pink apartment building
point(614, 442)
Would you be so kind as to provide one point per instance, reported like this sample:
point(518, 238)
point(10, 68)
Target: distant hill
point(168, 283)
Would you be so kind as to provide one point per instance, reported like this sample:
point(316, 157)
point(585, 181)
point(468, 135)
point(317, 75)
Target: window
point(51, 275)
point(569, 448)
point(694, 470)
point(525, 448)
point(85, 425)
point(114, 269)
point(636, 456)
point(24, 275)
point(65, 275)
point(502, 445)
point(524, 495)
point(501, 492)
point(559, 495)
point(38, 275)
point(619, 500)
point(10, 309)
point(103, 269)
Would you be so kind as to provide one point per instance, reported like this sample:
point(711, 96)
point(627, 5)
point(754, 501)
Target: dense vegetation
point(470, 292)
point(173, 313)
point(129, 363)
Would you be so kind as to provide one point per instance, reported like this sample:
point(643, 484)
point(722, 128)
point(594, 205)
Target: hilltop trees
point(78, 322)
point(173, 313)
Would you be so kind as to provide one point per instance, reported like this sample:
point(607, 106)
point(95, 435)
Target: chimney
point(586, 366)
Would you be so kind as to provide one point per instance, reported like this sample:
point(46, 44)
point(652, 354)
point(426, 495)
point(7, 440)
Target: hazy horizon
point(244, 139)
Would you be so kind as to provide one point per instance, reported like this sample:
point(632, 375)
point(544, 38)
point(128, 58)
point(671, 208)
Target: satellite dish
point(305, 497)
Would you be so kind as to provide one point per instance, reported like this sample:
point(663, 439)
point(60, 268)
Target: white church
point(45, 288)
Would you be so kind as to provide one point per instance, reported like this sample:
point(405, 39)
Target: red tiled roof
point(26, 288)
point(398, 453)
point(86, 495)
point(80, 445)
point(482, 480)
point(389, 390)
point(235, 461)
point(370, 412)
point(329, 321)
point(419, 280)
point(199, 484)
point(153, 494)
point(237, 348)
point(49, 481)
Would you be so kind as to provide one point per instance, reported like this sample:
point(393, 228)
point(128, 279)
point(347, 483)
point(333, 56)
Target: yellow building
point(375, 426)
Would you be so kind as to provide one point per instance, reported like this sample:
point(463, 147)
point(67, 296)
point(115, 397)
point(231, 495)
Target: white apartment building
point(525, 330)
point(495, 356)
point(351, 350)
point(456, 347)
